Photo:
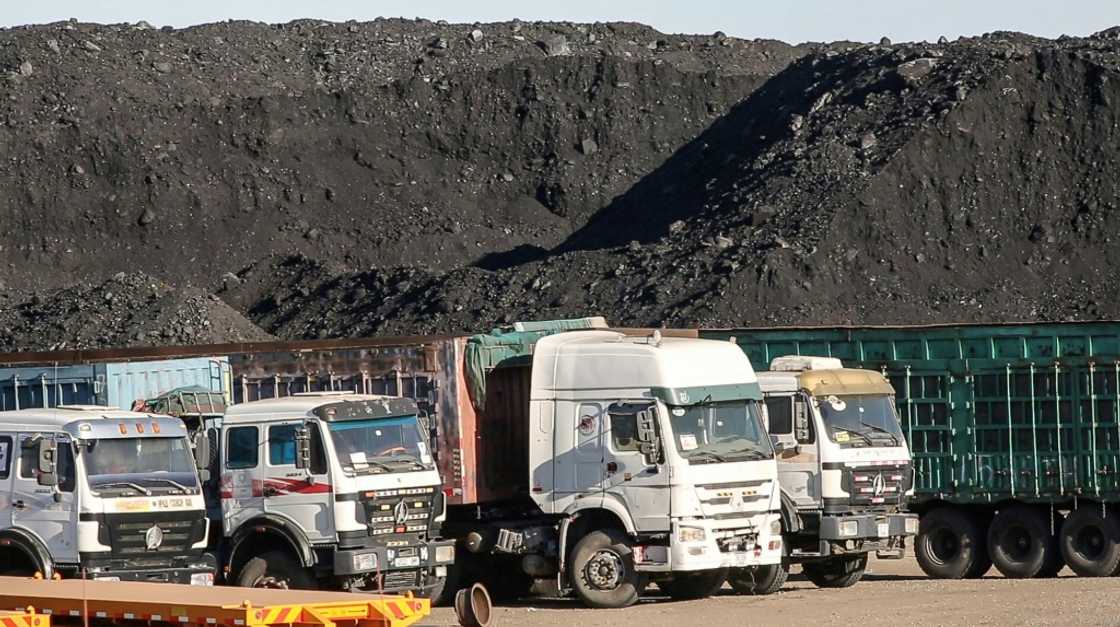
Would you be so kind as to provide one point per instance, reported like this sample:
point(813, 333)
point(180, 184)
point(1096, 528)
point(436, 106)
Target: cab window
point(241, 448)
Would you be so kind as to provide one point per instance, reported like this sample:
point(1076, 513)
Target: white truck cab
point(845, 468)
point(334, 489)
point(665, 436)
point(102, 493)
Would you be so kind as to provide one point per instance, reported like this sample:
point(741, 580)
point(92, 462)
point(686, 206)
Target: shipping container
point(1014, 429)
point(114, 384)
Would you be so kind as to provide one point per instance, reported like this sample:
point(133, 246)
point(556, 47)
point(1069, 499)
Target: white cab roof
point(295, 405)
point(612, 360)
point(59, 417)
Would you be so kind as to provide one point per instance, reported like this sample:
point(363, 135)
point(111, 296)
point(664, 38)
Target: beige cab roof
point(844, 381)
point(298, 404)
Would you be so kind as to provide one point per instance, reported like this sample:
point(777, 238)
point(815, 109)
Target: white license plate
point(742, 559)
point(402, 562)
point(884, 530)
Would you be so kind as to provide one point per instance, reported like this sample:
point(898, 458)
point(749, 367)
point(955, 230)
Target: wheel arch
point(30, 545)
point(267, 530)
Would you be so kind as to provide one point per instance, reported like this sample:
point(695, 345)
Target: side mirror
point(48, 458)
point(647, 436)
point(801, 420)
point(782, 447)
point(303, 448)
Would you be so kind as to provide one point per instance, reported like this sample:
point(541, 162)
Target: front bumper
point(197, 570)
point(721, 547)
point(869, 526)
point(379, 559)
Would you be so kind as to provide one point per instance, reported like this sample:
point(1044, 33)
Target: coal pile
point(680, 181)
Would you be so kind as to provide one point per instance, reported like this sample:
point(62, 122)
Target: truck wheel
point(696, 585)
point(759, 580)
point(841, 571)
point(275, 569)
point(951, 545)
point(1019, 542)
point(602, 570)
point(1090, 542)
point(1056, 563)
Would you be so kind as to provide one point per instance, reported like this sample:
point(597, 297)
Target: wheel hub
point(604, 570)
point(945, 545)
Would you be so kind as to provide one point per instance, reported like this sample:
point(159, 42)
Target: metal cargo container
point(116, 384)
point(996, 416)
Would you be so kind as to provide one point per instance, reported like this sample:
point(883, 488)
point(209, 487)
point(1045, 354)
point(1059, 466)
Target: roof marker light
point(124, 429)
point(155, 427)
point(85, 427)
point(139, 427)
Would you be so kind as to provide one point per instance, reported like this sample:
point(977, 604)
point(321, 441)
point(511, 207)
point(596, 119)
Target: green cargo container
point(1011, 428)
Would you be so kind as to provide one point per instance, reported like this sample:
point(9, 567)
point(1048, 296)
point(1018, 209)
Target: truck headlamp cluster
point(364, 561)
point(912, 526)
point(776, 527)
point(849, 528)
point(691, 534)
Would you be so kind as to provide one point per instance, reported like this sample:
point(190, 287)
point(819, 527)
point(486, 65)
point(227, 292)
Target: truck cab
point(653, 452)
point(101, 493)
point(845, 468)
point(331, 489)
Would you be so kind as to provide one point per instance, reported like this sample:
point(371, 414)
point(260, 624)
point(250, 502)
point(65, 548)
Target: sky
point(792, 20)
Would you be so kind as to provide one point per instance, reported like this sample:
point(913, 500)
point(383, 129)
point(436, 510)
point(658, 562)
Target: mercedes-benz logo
point(878, 486)
point(400, 512)
point(153, 538)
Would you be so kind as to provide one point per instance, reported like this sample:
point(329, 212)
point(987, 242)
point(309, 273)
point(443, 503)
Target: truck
point(100, 493)
point(1014, 431)
point(329, 490)
point(593, 460)
point(845, 472)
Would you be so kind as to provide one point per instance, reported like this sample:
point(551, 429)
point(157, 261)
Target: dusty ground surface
point(894, 593)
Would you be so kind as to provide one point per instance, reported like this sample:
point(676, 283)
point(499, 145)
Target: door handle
point(612, 467)
point(270, 491)
point(19, 505)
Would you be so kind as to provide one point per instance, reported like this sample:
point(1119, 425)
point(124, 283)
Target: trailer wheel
point(759, 580)
point(842, 571)
point(1019, 542)
point(951, 545)
point(602, 570)
point(694, 585)
point(275, 569)
point(1090, 542)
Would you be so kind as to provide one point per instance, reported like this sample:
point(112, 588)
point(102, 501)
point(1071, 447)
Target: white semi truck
point(97, 492)
point(845, 468)
point(331, 489)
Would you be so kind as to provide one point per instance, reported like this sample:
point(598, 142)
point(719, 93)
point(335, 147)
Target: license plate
point(402, 562)
point(884, 530)
point(741, 559)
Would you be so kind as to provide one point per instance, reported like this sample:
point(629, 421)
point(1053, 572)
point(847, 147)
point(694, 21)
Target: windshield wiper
point(894, 438)
point(715, 457)
point(372, 464)
point(126, 484)
point(866, 438)
point(169, 481)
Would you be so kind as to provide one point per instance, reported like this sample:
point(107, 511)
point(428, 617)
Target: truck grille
point(152, 535)
point(403, 511)
point(877, 485)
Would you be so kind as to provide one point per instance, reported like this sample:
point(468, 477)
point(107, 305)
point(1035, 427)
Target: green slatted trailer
point(1014, 430)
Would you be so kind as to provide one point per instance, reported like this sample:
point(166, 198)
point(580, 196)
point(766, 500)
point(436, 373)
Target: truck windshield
point(861, 421)
point(134, 466)
point(380, 445)
point(708, 433)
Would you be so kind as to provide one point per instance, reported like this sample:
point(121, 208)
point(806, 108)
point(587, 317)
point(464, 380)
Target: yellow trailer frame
point(199, 605)
point(24, 618)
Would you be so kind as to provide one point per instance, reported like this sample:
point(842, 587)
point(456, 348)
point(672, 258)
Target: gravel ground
point(893, 593)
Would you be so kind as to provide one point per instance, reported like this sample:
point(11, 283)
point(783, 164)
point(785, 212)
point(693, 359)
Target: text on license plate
point(406, 561)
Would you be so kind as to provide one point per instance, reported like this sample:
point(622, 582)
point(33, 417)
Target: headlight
point(364, 561)
point(445, 554)
point(691, 534)
point(202, 579)
point(776, 527)
point(911, 526)
point(849, 528)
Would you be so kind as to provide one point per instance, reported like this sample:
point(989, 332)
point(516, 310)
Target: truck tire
point(1057, 562)
point(1090, 542)
point(951, 544)
point(759, 580)
point(275, 569)
point(841, 571)
point(601, 570)
point(1020, 544)
point(694, 585)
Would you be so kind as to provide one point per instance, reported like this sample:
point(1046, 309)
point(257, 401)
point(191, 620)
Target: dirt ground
point(892, 593)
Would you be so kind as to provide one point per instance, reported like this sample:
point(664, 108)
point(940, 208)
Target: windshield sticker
point(688, 441)
point(678, 411)
point(424, 456)
point(841, 436)
point(358, 457)
point(836, 403)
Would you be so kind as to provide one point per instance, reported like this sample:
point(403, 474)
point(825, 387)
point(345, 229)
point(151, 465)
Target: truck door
point(7, 464)
point(584, 475)
point(300, 494)
point(48, 512)
point(790, 423)
point(242, 496)
point(631, 475)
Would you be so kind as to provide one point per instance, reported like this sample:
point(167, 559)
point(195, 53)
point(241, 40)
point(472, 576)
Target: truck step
point(166, 603)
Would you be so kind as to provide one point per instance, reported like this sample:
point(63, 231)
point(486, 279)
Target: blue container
point(112, 384)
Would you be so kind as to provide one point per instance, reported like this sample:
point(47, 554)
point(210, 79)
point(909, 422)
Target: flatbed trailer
point(28, 617)
point(162, 603)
